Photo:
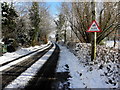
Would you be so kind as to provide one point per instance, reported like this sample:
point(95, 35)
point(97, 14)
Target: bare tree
point(45, 23)
point(81, 16)
point(63, 23)
point(59, 26)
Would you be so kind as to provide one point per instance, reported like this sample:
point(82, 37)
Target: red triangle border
point(97, 26)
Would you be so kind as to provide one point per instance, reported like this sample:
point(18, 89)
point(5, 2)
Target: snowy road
point(38, 71)
point(22, 53)
point(10, 72)
point(13, 62)
point(71, 72)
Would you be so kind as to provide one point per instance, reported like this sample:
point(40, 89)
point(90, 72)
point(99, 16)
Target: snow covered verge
point(103, 73)
point(111, 44)
point(22, 80)
point(23, 51)
point(106, 64)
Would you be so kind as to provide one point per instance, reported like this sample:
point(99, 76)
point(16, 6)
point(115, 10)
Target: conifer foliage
point(9, 16)
point(35, 20)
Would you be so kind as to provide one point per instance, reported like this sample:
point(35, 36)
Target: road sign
point(94, 27)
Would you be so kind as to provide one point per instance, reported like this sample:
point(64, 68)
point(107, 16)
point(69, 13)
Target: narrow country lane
point(46, 75)
point(14, 71)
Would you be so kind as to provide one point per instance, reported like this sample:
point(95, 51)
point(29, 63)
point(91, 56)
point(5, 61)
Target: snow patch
point(111, 44)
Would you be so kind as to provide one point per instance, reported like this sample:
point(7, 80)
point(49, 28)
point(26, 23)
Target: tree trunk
point(115, 38)
point(0, 32)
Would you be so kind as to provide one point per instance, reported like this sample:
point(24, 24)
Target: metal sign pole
point(95, 37)
point(93, 44)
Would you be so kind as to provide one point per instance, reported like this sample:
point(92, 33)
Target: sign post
point(95, 37)
point(94, 28)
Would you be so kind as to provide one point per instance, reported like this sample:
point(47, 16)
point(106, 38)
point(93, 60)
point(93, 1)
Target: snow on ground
point(84, 74)
point(67, 58)
point(23, 79)
point(1, 41)
point(21, 59)
point(111, 43)
point(23, 51)
point(106, 63)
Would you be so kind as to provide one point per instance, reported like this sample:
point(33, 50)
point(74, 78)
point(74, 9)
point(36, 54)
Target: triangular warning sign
point(94, 27)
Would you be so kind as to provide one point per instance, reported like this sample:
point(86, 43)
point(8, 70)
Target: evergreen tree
point(59, 26)
point(35, 20)
point(21, 32)
point(8, 20)
point(9, 16)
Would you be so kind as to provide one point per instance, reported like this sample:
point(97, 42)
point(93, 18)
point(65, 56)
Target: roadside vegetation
point(25, 24)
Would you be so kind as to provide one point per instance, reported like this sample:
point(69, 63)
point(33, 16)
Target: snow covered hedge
point(106, 63)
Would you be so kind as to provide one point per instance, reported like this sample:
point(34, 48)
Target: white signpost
point(94, 28)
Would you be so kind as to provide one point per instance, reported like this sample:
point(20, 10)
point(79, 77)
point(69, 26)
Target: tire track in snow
point(22, 80)
point(11, 73)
